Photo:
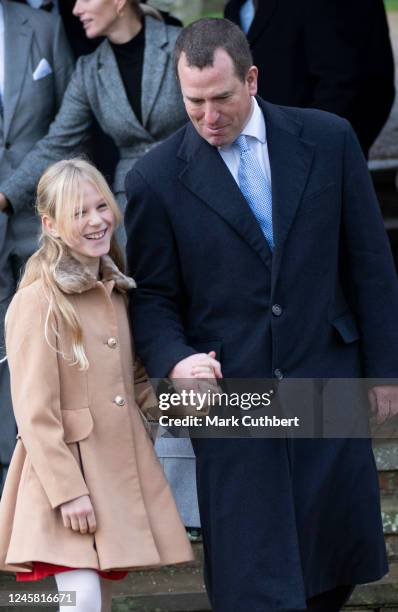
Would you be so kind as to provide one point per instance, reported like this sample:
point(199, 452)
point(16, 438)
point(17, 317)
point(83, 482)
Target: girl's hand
point(78, 515)
point(207, 367)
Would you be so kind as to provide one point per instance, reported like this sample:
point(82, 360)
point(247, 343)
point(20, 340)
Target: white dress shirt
point(255, 131)
point(1, 51)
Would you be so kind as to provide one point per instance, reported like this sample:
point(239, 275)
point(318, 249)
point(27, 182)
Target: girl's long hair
point(60, 197)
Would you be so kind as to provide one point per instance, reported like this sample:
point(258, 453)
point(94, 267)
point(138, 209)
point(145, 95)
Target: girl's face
point(92, 229)
point(98, 17)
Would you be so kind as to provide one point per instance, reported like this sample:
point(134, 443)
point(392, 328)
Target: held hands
point(197, 373)
point(78, 515)
point(201, 365)
point(384, 402)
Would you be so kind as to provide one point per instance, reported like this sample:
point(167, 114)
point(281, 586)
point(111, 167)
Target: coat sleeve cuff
point(66, 493)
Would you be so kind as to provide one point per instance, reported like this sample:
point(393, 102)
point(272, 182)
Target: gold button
point(119, 400)
point(112, 342)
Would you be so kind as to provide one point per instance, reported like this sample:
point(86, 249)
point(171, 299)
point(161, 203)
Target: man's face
point(217, 102)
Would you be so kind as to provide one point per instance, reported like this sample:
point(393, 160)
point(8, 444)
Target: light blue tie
point(255, 187)
point(246, 14)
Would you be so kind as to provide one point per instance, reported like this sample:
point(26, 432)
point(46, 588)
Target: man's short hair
point(202, 38)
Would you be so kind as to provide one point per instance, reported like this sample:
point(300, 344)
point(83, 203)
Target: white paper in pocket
point(42, 70)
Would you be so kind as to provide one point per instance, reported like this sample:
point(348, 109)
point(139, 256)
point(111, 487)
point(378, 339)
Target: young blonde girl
point(85, 498)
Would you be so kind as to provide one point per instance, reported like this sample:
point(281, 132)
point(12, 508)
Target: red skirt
point(43, 570)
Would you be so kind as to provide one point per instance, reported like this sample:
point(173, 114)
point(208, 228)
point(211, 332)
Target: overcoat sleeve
point(69, 130)
point(62, 61)
point(158, 303)
point(35, 390)
point(368, 267)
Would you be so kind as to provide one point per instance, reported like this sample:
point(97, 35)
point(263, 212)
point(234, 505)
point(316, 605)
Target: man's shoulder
point(312, 120)
point(38, 20)
point(163, 155)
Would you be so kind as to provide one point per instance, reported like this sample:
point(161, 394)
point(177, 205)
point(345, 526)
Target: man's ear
point(251, 80)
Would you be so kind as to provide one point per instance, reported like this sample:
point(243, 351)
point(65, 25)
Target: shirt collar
point(255, 127)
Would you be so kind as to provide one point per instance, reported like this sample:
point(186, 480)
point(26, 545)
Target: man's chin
point(217, 140)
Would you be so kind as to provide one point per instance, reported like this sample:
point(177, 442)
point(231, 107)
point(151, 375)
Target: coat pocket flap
point(347, 327)
point(78, 424)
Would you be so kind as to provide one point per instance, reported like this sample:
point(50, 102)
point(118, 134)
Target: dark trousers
point(331, 601)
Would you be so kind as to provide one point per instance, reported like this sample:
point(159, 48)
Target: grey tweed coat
point(96, 90)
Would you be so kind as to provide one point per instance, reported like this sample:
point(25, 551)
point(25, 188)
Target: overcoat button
point(277, 310)
point(278, 374)
point(119, 400)
point(112, 342)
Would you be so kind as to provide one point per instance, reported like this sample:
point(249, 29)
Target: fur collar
point(72, 276)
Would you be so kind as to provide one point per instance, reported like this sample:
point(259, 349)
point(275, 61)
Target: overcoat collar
point(206, 175)
point(72, 276)
point(155, 60)
point(17, 41)
point(261, 19)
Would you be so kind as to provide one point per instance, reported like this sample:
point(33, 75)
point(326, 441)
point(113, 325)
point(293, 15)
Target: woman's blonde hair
point(60, 197)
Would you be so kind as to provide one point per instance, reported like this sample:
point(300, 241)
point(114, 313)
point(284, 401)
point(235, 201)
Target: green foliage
point(391, 5)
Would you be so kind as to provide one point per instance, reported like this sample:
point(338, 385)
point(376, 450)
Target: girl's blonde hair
point(60, 197)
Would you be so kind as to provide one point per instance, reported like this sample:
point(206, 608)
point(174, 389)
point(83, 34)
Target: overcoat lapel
point(155, 61)
point(111, 82)
point(261, 19)
point(207, 176)
point(17, 42)
point(290, 161)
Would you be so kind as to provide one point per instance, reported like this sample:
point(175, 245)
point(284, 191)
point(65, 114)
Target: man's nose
point(211, 115)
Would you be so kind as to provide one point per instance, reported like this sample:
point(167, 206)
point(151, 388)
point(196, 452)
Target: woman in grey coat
point(97, 89)
point(128, 85)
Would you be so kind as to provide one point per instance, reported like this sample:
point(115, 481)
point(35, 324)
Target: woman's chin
point(92, 34)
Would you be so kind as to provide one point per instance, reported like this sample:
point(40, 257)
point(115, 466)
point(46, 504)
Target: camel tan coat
point(80, 432)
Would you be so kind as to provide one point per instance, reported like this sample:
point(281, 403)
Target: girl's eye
point(103, 205)
point(79, 213)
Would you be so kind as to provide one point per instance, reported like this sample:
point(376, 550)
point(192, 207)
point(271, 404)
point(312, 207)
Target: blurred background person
point(127, 84)
point(35, 67)
point(331, 55)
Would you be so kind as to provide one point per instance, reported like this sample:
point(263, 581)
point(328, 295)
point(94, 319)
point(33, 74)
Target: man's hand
point(197, 366)
point(78, 515)
point(197, 373)
point(384, 402)
point(3, 202)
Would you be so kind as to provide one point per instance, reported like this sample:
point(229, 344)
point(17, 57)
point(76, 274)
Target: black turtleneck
point(130, 61)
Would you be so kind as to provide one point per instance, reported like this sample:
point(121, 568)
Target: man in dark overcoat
point(254, 232)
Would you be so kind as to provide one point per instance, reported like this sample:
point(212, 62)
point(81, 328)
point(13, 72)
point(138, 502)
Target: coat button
point(112, 342)
point(7, 145)
point(277, 310)
point(119, 400)
point(278, 374)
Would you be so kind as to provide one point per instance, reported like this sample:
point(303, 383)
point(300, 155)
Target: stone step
point(389, 511)
point(181, 589)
